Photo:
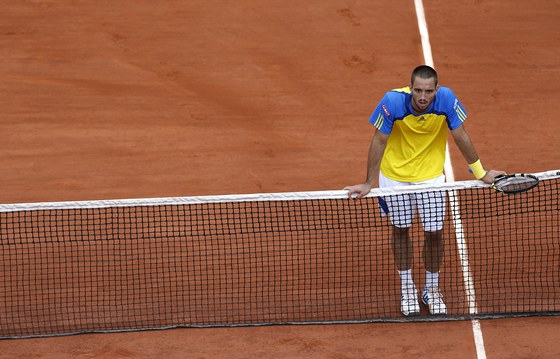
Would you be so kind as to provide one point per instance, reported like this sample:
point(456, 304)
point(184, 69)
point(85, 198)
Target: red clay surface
point(111, 100)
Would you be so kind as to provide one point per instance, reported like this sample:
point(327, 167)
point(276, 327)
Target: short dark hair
point(424, 72)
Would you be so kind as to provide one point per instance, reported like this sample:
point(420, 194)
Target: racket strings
point(515, 183)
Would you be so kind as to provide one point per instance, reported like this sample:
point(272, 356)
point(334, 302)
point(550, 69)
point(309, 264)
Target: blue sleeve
point(381, 118)
point(454, 110)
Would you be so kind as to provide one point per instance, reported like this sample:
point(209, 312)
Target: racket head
point(515, 183)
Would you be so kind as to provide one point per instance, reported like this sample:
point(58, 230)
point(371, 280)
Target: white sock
point(406, 278)
point(432, 279)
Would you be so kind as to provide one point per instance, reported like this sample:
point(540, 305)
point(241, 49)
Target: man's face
point(423, 93)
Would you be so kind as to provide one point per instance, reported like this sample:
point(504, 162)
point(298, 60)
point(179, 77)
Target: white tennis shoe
point(432, 298)
point(409, 301)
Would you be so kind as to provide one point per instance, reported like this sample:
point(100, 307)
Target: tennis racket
point(515, 183)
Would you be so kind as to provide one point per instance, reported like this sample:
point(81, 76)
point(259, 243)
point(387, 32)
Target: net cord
point(282, 196)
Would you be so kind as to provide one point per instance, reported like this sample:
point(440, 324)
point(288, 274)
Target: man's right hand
point(360, 190)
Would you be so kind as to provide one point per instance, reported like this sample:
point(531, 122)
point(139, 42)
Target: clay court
point(114, 99)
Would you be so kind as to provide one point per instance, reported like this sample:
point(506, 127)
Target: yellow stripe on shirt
point(462, 115)
point(379, 121)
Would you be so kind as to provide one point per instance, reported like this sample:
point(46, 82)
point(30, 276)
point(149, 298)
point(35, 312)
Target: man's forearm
point(376, 150)
point(465, 145)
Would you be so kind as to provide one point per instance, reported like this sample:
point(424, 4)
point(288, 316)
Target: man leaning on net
point(408, 147)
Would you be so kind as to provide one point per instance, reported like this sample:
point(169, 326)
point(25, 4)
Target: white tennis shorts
point(402, 207)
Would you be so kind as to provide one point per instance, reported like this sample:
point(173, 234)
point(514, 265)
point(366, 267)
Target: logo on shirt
point(421, 119)
point(385, 110)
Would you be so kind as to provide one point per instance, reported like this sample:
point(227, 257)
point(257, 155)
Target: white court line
point(450, 177)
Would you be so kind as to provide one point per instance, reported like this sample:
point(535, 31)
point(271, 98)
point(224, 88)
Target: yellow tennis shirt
point(416, 146)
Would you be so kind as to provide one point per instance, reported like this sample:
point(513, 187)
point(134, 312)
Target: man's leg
point(402, 248)
point(431, 208)
point(433, 251)
point(402, 252)
point(433, 254)
point(400, 209)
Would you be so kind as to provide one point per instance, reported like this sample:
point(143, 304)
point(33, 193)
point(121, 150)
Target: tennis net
point(259, 259)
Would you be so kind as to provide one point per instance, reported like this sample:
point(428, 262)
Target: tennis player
point(408, 147)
